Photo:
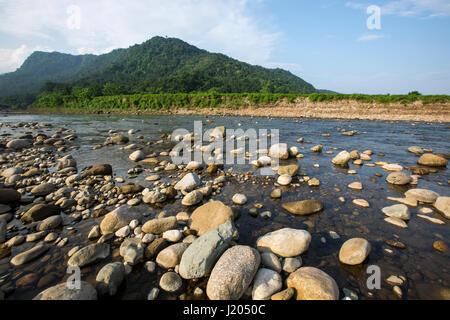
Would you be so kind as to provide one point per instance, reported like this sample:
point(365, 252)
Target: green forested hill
point(159, 65)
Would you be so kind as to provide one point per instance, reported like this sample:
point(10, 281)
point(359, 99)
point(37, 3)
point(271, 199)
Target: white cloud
point(405, 8)
point(11, 59)
point(224, 26)
point(370, 37)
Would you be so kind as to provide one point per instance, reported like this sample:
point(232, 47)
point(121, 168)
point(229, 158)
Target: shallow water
point(426, 270)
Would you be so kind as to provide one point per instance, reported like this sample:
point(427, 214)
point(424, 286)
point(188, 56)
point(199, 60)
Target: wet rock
point(192, 198)
point(43, 189)
point(361, 203)
point(119, 218)
point(50, 223)
point(396, 222)
point(199, 258)
point(423, 195)
point(399, 211)
point(276, 194)
point(189, 182)
point(99, 170)
point(33, 237)
point(159, 226)
point(395, 244)
point(416, 150)
point(355, 186)
point(131, 189)
point(440, 246)
point(354, 251)
point(170, 282)
point(285, 242)
point(89, 254)
point(279, 151)
point(63, 292)
point(313, 284)
point(153, 197)
point(302, 208)
point(40, 212)
point(442, 204)
point(284, 180)
point(233, 273)
point(30, 254)
point(239, 199)
point(290, 170)
point(132, 250)
point(9, 196)
point(317, 148)
point(10, 172)
point(291, 264)
point(117, 139)
point(432, 160)
point(137, 156)
point(171, 256)
point(398, 178)
point(2, 230)
point(342, 159)
point(266, 283)
point(209, 216)
point(109, 278)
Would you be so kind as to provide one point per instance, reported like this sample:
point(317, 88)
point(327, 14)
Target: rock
point(317, 148)
point(395, 244)
point(118, 139)
point(279, 151)
point(266, 283)
point(193, 165)
point(442, 204)
point(284, 180)
point(171, 256)
point(43, 189)
point(10, 172)
point(123, 232)
point(290, 170)
point(233, 273)
point(51, 237)
point(9, 196)
point(131, 189)
point(153, 197)
point(408, 201)
point(98, 170)
point(2, 230)
point(94, 233)
point(361, 203)
point(433, 220)
point(18, 144)
point(399, 211)
point(50, 223)
point(398, 178)
point(40, 212)
point(89, 254)
point(63, 292)
point(159, 226)
point(119, 218)
point(284, 295)
point(396, 222)
point(355, 186)
point(155, 247)
point(170, 282)
point(33, 237)
point(291, 264)
point(153, 177)
point(276, 194)
point(192, 198)
point(303, 208)
point(172, 235)
point(30, 254)
point(132, 250)
point(137, 156)
point(342, 159)
point(153, 294)
point(4, 209)
point(354, 251)
point(199, 258)
point(432, 160)
point(189, 182)
point(392, 167)
point(285, 242)
point(416, 150)
point(209, 216)
point(423, 195)
point(239, 199)
point(109, 278)
point(313, 284)
point(271, 261)
point(440, 246)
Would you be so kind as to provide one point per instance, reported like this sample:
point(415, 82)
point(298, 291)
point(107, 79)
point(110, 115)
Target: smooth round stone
point(193, 165)
point(209, 216)
point(192, 198)
point(392, 167)
point(62, 292)
point(355, 186)
point(279, 151)
point(361, 203)
point(313, 284)
point(432, 160)
point(285, 242)
point(291, 264)
point(271, 261)
point(172, 235)
point(284, 180)
point(342, 158)
point(398, 178)
point(290, 170)
point(239, 199)
point(276, 194)
point(305, 207)
point(171, 256)
point(396, 222)
point(109, 278)
point(442, 204)
point(314, 182)
point(423, 195)
point(153, 177)
point(123, 232)
point(399, 211)
point(266, 283)
point(170, 282)
point(133, 202)
point(354, 251)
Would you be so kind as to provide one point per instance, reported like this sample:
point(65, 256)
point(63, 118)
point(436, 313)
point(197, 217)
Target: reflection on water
point(426, 270)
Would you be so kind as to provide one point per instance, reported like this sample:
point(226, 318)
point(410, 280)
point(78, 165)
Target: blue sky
point(326, 42)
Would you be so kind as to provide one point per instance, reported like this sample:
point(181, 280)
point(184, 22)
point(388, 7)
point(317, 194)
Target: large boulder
point(209, 216)
point(233, 273)
point(9, 195)
point(432, 160)
point(303, 208)
point(159, 226)
point(354, 251)
point(40, 212)
point(63, 292)
point(199, 258)
point(119, 218)
point(285, 242)
point(89, 254)
point(109, 278)
point(313, 284)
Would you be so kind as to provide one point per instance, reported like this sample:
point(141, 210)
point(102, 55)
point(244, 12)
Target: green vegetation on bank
point(82, 101)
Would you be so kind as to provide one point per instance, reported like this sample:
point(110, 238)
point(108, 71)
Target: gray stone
point(43, 189)
point(132, 250)
point(170, 282)
point(89, 254)
point(62, 292)
point(40, 212)
point(30, 254)
point(109, 278)
point(159, 226)
point(49, 223)
point(285, 242)
point(119, 218)
point(266, 283)
point(399, 211)
point(398, 178)
point(423, 195)
point(189, 182)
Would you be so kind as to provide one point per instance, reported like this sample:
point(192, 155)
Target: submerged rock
point(305, 207)
point(109, 278)
point(354, 251)
point(89, 254)
point(313, 284)
point(432, 160)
